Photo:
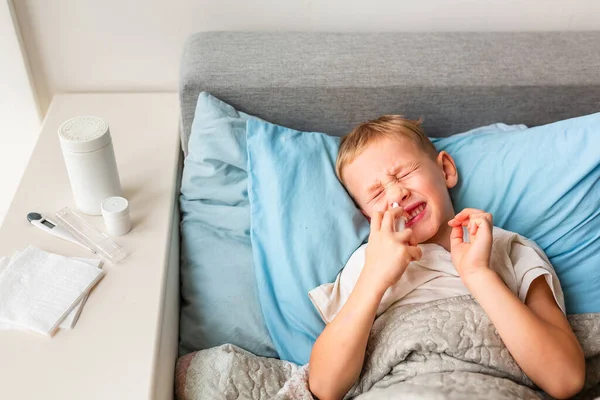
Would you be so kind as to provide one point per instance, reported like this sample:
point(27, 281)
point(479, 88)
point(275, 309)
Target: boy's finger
point(453, 222)
point(464, 223)
point(468, 222)
point(483, 215)
point(387, 224)
point(376, 221)
point(415, 253)
point(397, 212)
point(466, 213)
point(480, 222)
point(456, 236)
point(407, 236)
point(482, 231)
point(473, 225)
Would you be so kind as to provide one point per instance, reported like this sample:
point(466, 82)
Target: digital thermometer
point(52, 228)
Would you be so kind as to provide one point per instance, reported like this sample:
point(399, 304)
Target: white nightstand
point(125, 343)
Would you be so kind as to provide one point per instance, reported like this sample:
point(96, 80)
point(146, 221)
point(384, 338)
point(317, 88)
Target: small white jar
point(90, 160)
point(115, 211)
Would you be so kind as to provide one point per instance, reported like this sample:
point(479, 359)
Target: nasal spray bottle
point(400, 222)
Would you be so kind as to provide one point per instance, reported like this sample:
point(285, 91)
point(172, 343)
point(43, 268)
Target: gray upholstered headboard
point(329, 82)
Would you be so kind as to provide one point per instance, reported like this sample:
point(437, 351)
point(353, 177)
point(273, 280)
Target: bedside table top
point(111, 352)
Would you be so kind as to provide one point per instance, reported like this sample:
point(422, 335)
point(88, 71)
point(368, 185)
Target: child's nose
point(397, 194)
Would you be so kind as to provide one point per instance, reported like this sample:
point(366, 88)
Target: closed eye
point(375, 194)
point(410, 171)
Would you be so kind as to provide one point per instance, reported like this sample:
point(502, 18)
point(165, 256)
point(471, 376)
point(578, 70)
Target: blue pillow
point(218, 287)
point(543, 183)
point(304, 228)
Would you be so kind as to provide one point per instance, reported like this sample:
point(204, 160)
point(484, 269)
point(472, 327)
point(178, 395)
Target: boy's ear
point(448, 167)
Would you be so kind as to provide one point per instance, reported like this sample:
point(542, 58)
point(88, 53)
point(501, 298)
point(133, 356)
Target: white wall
point(92, 45)
point(19, 117)
point(135, 45)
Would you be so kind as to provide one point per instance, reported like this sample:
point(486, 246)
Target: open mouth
point(416, 214)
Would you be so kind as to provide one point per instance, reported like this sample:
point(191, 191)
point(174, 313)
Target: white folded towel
point(3, 264)
point(71, 319)
point(5, 325)
point(39, 289)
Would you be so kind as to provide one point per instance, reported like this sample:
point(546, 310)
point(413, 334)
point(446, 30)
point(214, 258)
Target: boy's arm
point(537, 334)
point(338, 354)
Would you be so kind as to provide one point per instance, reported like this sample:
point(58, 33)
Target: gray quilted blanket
point(445, 349)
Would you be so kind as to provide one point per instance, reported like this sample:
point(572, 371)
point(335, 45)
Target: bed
point(329, 82)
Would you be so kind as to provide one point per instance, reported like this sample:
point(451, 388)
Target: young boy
point(390, 160)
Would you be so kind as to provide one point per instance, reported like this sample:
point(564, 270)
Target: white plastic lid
point(84, 134)
point(115, 208)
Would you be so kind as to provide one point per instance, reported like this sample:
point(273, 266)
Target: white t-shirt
point(517, 261)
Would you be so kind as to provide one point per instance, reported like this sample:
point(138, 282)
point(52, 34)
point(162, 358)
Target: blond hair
point(391, 126)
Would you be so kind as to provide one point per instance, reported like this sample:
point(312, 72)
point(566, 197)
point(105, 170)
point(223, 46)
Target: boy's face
point(397, 170)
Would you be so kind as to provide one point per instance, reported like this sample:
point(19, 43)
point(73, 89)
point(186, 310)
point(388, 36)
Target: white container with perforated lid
point(90, 160)
point(115, 211)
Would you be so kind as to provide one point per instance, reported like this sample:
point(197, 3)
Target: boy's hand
point(389, 252)
point(474, 256)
